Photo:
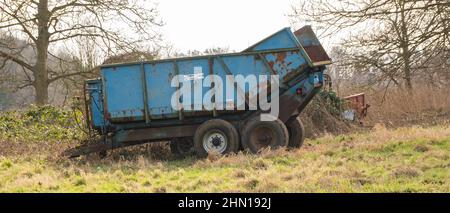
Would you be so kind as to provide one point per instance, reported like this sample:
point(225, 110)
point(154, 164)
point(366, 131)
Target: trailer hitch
point(98, 146)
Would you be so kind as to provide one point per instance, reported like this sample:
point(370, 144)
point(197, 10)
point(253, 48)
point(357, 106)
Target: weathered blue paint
point(118, 101)
point(280, 40)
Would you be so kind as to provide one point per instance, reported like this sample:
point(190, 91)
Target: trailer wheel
point(257, 134)
point(296, 132)
point(216, 136)
point(182, 147)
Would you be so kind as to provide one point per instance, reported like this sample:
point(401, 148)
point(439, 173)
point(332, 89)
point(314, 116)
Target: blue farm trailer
point(131, 102)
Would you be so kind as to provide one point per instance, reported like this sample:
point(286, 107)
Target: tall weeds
point(397, 107)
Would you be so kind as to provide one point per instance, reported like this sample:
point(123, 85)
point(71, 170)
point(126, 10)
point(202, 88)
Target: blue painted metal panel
point(188, 68)
point(158, 79)
point(123, 92)
point(279, 40)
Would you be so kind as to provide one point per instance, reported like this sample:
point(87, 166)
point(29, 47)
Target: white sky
point(202, 24)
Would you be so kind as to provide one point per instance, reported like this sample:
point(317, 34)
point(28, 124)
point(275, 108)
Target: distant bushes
point(46, 123)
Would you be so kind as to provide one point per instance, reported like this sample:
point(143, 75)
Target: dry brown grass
point(425, 106)
point(408, 159)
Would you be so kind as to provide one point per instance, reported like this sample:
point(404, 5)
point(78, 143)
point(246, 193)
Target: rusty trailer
point(133, 103)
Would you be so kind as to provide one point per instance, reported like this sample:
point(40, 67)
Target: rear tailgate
point(312, 46)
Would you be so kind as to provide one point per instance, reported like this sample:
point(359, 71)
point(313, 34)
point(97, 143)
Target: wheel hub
point(215, 141)
point(262, 136)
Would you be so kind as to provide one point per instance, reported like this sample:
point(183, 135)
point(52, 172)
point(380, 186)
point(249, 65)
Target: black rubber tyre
point(217, 136)
point(257, 135)
point(296, 132)
point(182, 147)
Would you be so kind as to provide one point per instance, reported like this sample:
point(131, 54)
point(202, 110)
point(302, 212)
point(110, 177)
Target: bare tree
point(115, 25)
point(393, 39)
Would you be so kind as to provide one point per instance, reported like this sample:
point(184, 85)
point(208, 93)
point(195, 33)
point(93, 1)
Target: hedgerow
point(44, 123)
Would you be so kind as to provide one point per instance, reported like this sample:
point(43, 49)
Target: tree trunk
point(408, 80)
point(41, 73)
point(40, 69)
point(406, 53)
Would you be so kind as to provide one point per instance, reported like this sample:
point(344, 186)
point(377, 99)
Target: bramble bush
point(44, 123)
point(332, 102)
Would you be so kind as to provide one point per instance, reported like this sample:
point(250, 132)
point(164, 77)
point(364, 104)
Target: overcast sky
point(201, 24)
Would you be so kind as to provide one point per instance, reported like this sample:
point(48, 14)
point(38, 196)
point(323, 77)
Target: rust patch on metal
point(107, 115)
point(358, 103)
point(290, 104)
point(171, 75)
point(291, 75)
point(281, 57)
point(317, 53)
point(271, 64)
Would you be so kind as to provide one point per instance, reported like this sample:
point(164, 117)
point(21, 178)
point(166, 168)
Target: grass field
point(413, 159)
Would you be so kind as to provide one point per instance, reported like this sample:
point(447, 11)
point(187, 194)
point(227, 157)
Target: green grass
point(413, 159)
